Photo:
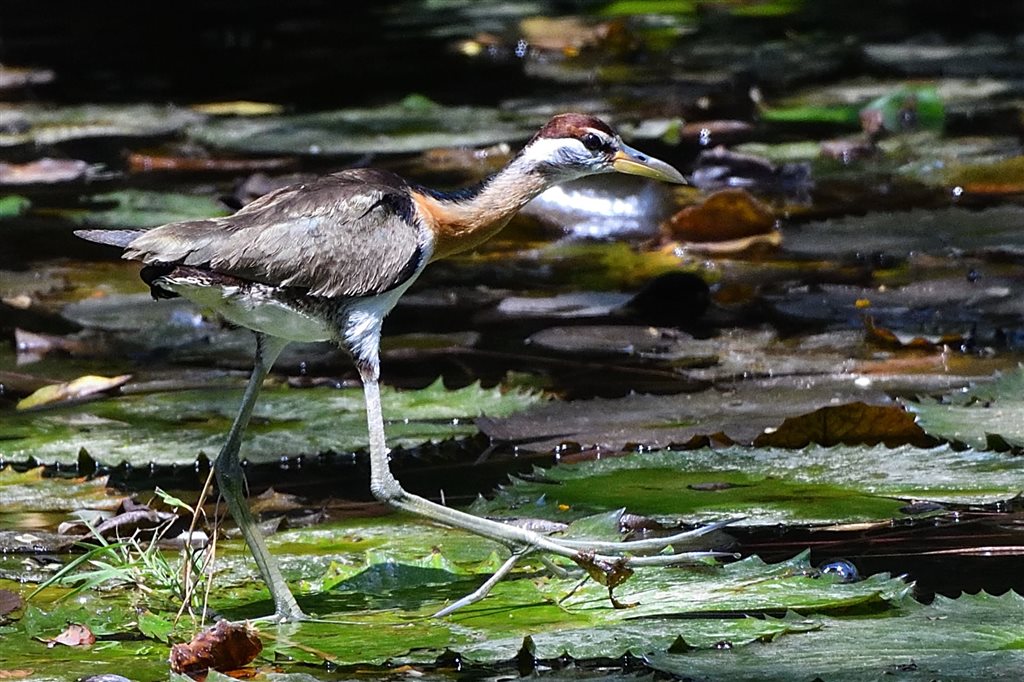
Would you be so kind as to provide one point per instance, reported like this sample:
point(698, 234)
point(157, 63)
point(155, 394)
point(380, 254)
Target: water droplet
point(845, 571)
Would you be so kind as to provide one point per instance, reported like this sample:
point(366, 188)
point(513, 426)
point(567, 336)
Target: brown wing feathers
point(348, 234)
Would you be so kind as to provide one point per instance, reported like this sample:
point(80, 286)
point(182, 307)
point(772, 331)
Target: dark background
point(322, 53)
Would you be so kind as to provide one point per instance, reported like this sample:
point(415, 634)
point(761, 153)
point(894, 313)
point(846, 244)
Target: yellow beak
point(630, 161)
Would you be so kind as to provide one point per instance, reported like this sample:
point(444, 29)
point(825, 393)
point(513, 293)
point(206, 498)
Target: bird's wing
point(353, 233)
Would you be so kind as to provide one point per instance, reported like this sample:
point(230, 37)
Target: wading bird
point(327, 259)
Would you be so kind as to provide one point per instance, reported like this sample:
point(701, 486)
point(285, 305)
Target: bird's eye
point(592, 142)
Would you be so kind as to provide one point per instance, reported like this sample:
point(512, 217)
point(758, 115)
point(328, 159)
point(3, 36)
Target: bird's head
point(573, 145)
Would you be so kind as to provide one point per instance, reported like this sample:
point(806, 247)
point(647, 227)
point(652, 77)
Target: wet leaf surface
point(987, 417)
point(951, 639)
point(174, 427)
point(413, 125)
point(766, 485)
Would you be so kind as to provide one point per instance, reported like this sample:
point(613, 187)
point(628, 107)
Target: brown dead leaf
point(74, 635)
point(225, 646)
point(72, 390)
point(850, 424)
point(570, 34)
point(139, 162)
point(887, 337)
point(9, 601)
point(272, 501)
point(16, 674)
point(729, 220)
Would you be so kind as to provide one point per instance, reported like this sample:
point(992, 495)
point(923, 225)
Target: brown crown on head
point(572, 125)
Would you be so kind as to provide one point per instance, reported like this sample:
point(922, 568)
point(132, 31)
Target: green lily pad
point(973, 637)
point(767, 485)
point(173, 428)
point(585, 624)
point(125, 640)
point(47, 125)
point(144, 208)
point(13, 205)
point(413, 125)
point(30, 491)
point(984, 417)
point(900, 234)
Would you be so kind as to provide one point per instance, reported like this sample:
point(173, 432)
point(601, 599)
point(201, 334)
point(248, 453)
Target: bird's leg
point(231, 482)
point(520, 541)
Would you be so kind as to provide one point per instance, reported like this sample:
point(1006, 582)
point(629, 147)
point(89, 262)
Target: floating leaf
point(972, 637)
point(45, 125)
point(902, 233)
point(30, 491)
point(729, 220)
point(77, 389)
point(225, 646)
point(44, 171)
point(13, 205)
point(175, 427)
point(74, 635)
point(903, 110)
point(994, 177)
point(9, 601)
point(768, 486)
point(145, 208)
point(984, 417)
point(238, 108)
point(851, 423)
point(410, 126)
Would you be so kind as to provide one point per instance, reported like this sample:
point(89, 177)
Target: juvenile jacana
point(326, 260)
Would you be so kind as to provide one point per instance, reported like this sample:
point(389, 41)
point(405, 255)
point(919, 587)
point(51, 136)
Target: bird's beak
point(633, 162)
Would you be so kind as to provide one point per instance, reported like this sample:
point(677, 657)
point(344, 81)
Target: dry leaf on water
point(72, 390)
point(225, 646)
point(74, 635)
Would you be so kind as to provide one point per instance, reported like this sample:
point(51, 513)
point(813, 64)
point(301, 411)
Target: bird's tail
point(110, 237)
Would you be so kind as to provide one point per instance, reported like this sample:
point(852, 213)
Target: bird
point(327, 259)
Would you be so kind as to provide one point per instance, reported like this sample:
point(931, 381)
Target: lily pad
point(30, 491)
point(46, 125)
point(766, 485)
point(586, 624)
point(144, 208)
point(413, 125)
point(739, 413)
point(898, 234)
point(13, 205)
point(973, 637)
point(983, 417)
point(174, 428)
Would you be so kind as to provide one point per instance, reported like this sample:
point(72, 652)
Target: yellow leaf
point(72, 390)
point(238, 108)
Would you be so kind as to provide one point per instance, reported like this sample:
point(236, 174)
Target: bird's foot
point(607, 563)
